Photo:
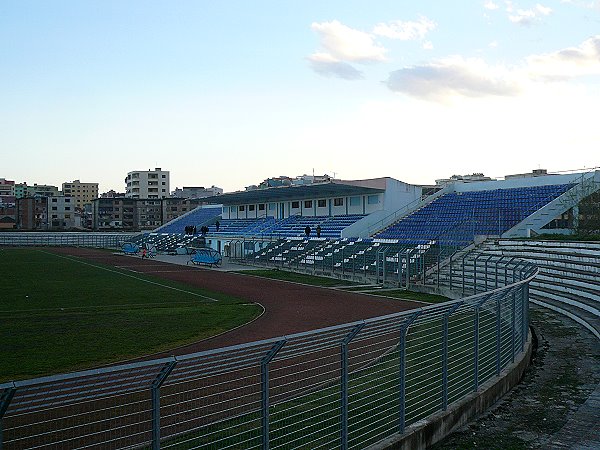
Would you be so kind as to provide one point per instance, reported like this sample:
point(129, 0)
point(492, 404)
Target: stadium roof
point(298, 192)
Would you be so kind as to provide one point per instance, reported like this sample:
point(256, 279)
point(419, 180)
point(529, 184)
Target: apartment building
point(114, 213)
point(148, 213)
point(82, 193)
point(130, 214)
point(149, 184)
point(32, 213)
point(7, 188)
point(47, 213)
point(61, 213)
point(37, 190)
point(196, 192)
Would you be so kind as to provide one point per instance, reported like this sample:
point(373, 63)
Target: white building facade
point(151, 184)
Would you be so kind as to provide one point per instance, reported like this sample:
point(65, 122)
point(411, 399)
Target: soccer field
point(61, 314)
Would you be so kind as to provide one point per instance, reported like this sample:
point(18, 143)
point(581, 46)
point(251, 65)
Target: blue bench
point(129, 248)
point(206, 256)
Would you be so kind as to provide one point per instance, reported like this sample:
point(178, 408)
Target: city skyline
point(232, 93)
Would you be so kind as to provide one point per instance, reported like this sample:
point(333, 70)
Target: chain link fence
point(346, 386)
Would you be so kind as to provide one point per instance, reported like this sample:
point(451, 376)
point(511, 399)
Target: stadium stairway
point(568, 281)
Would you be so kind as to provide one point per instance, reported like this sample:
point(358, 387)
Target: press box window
point(295, 205)
point(373, 199)
point(338, 202)
point(321, 203)
point(308, 203)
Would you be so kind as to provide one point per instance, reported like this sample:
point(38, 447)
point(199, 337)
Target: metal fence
point(346, 386)
point(69, 239)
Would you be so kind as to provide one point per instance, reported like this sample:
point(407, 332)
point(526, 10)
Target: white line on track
point(130, 276)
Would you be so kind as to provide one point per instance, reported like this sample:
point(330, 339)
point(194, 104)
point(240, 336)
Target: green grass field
point(60, 314)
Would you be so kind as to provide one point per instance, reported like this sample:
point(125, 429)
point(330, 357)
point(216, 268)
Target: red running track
point(289, 307)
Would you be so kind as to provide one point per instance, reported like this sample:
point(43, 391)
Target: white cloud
point(490, 5)
point(456, 77)
point(427, 45)
point(325, 64)
point(527, 17)
point(347, 44)
point(452, 77)
point(567, 63)
point(405, 31)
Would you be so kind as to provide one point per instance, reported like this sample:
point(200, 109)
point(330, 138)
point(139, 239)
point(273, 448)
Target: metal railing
point(346, 386)
point(68, 239)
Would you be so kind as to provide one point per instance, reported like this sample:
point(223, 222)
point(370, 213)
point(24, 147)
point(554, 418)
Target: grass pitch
point(60, 314)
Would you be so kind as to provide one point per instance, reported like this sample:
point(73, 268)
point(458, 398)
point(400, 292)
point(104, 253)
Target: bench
point(205, 256)
point(129, 248)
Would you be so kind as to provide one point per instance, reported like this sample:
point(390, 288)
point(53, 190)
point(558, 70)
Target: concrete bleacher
point(568, 281)
point(569, 277)
point(458, 217)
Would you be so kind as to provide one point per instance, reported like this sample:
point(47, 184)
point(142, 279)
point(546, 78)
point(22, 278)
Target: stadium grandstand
point(381, 231)
point(384, 212)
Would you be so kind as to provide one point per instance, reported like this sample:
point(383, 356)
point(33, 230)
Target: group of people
point(190, 229)
point(308, 230)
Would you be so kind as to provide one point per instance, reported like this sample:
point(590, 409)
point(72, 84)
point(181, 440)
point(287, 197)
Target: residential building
point(114, 213)
point(112, 194)
point(83, 193)
point(150, 184)
point(196, 192)
point(8, 216)
point(175, 207)
point(7, 188)
point(464, 178)
point(22, 190)
point(32, 213)
point(62, 214)
point(129, 214)
point(148, 213)
point(47, 213)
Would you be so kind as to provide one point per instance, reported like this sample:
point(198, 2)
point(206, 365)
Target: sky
point(228, 93)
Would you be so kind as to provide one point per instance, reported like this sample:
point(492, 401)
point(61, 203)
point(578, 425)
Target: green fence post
point(264, 384)
point(344, 383)
point(155, 388)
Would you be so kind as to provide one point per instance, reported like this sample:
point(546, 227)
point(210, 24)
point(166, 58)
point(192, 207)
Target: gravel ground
point(545, 409)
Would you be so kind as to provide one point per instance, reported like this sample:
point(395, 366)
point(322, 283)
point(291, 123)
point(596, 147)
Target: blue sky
point(228, 93)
